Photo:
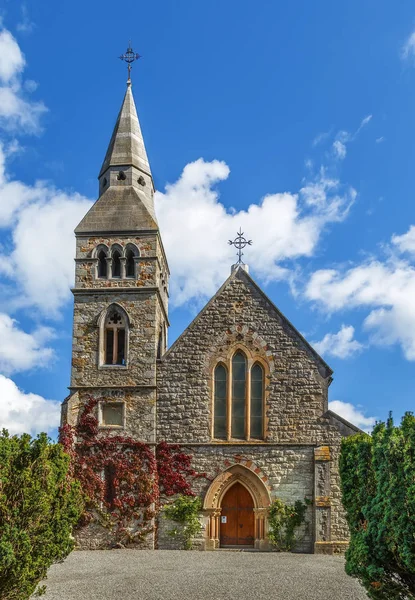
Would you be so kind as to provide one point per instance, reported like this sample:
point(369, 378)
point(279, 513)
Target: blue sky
point(293, 120)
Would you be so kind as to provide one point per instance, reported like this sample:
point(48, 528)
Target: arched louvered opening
point(102, 264)
point(130, 263)
point(220, 402)
point(116, 264)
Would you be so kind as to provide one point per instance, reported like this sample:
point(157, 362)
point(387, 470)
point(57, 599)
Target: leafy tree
point(378, 485)
point(39, 503)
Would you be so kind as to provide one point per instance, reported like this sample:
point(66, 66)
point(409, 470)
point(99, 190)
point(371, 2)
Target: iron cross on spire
point(240, 242)
point(130, 56)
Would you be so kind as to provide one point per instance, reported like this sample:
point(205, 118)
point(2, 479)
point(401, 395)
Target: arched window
point(238, 408)
point(115, 338)
point(102, 264)
point(221, 385)
point(116, 263)
point(257, 402)
point(130, 264)
point(238, 395)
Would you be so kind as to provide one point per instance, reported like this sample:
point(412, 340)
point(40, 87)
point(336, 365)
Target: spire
point(126, 185)
point(126, 147)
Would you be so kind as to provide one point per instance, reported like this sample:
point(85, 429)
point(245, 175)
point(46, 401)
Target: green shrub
point(378, 484)
point(284, 520)
point(185, 510)
point(38, 506)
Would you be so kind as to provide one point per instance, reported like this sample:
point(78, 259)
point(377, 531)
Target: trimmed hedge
point(39, 504)
point(378, 485)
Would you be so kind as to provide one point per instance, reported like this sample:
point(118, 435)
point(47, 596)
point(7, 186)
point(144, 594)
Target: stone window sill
point(121, 367)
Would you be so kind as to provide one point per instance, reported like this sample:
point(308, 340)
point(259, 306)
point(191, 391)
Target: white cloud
point(340, 344)
point(352, 414)
point(363, 123)
point(17, 113)
point(283, 226)
point(25, 25)
point(408, 49)
point(20, 351)
point(12, 61)
point(380, 139)
point(40, 260)
point(26, 413)
point(385, 288)
point(406, 241)
point(339, 149)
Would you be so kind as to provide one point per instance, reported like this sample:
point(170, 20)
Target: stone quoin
point(240, 390)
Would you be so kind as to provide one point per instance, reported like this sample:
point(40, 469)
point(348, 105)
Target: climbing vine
point(122, 478)
point(284, 521)
point(185, 511)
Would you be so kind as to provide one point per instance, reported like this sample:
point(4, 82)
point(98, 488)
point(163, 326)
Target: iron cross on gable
point(129, 57)
point(240, 242)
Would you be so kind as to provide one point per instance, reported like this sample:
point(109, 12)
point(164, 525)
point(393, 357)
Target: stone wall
point(240, 315)
point(141, 309)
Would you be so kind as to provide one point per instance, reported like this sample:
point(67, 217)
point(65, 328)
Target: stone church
point(241, 389)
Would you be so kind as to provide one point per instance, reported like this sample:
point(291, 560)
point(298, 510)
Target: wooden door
point(238, 510)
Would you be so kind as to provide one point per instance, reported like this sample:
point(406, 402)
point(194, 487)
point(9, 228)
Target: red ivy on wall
point(122, 478)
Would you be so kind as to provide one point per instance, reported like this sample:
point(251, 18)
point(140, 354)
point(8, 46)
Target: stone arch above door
point(250, 476)
point(254, 480)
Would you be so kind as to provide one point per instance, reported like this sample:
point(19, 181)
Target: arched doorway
point(237, 527)
point(222, 500)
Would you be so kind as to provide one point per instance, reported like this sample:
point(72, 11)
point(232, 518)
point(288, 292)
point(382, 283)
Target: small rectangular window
point(112, 414)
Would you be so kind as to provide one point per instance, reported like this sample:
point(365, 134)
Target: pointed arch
point(220, 410)
point(114, 327)
point(244, 475)
point(116, 254)
point(101, 253)
point(131, 255)
point(238, 404)
point(256, 399)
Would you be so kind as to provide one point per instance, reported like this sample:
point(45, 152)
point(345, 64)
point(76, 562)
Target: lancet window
point(238, 403)
point(115, 338)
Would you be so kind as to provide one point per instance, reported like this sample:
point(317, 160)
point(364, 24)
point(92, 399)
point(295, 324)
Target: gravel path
point(181, 575)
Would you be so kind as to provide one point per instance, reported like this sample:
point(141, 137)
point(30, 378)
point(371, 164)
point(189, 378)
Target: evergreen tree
point(39, 503)
point(378, 485)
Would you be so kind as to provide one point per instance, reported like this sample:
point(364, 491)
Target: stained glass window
point(238, 395)
point(221, 384)
point(257, 394)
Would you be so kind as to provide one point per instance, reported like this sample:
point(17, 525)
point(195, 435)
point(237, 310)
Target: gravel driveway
point(181, 575)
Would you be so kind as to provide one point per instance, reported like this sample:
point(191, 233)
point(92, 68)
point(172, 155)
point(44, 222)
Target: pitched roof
point(242, 274)
point(119, 209)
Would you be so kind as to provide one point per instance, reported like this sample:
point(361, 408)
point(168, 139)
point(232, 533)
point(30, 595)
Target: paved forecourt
point(181, 575)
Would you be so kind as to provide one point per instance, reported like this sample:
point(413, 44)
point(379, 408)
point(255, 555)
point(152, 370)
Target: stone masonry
point(168, 395)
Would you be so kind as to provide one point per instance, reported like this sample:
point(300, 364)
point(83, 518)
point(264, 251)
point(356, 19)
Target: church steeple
point(126, 188)
point(126, 147)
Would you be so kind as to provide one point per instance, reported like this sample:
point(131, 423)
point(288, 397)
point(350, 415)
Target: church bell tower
point(121, 290)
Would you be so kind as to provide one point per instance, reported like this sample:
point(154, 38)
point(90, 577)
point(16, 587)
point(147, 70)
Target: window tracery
point(114, 336)
point(239, 396)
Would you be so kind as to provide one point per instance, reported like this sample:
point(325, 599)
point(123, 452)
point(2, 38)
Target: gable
point(233, 301)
